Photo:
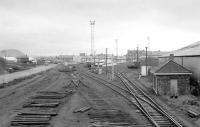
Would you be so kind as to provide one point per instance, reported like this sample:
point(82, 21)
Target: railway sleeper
point(39, 113)
point(41, 105)
point(39, 110)
point(192, 113)
point(19, 125)
point(31, 119)
point(47, 97)
point(29, 123)
point(43, 101)
point(33, 116)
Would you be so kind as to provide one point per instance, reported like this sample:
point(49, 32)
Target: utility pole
point(146, 62)
point(137, 55)
point(116, 41)
point(113, 71)
point(106, 62)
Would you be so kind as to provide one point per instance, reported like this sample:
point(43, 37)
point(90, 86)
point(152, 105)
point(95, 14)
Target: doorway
point(174, 87)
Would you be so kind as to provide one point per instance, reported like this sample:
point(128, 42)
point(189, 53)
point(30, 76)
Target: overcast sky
point(54, 27)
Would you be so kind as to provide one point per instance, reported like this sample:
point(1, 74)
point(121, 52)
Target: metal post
point(106, 62)
point(116, 40)
point(137, 54)
point(112, 77)
point(146, 62)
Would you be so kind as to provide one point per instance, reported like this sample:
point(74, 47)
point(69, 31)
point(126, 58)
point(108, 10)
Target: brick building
point(171, 79)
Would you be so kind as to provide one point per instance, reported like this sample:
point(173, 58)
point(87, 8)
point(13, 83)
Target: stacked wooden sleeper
point(39, 109)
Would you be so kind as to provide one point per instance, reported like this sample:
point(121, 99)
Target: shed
point(171, 79)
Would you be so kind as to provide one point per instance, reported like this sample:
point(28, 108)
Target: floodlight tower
point(92, 23)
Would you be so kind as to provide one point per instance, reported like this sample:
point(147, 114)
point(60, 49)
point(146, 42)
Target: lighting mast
point(92, 23)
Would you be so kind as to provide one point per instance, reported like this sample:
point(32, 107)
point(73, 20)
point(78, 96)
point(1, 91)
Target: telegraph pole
point(113, 71)
point(137, 55)
point(116, 41)
point(146, 61)
point(106, 62)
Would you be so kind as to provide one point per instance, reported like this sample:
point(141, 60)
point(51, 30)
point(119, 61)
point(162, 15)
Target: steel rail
point(138, 105)
point(155, 105)
point(136, 98)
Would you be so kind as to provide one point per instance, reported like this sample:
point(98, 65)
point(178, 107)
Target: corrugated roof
point(190, 50)
point(171, 67)
point(11, 53)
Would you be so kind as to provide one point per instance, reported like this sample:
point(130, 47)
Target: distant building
point(22, 59)
point(82, 54)
point(11, 53)
point(66, 58)
point(171, 79)
point(10, 59)
point(77, 59)
point(131, 55)
point(32, 60)
point(146, 64)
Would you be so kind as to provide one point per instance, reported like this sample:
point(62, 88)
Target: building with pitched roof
point(189, 57)
point(171, 79)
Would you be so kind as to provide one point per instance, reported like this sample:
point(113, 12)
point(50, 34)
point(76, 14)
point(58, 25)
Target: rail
point(151, 102)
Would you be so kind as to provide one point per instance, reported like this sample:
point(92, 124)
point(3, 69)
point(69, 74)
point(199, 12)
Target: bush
point(194, 87)
point(2, 65)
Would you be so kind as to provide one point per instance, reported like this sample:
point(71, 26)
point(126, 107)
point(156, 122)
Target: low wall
point(21, 74)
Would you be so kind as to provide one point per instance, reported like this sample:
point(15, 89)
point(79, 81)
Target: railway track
point(159, 116)
point(151, 110)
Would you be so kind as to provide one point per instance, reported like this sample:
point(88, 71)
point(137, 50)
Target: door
point(174, 87)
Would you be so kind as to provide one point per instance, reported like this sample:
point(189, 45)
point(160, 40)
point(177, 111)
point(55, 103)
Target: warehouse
point(171, 79)
point(188, 57)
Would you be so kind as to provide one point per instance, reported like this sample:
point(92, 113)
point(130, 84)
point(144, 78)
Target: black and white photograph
point(99, 63)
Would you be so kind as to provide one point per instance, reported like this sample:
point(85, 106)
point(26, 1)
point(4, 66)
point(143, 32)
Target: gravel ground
point(18, 92)
point(13, 97)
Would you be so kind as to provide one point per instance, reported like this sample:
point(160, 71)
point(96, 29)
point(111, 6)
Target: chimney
point(171, 57)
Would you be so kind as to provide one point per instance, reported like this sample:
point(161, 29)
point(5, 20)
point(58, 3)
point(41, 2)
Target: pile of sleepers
point(112, 116)
point(40, 109)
